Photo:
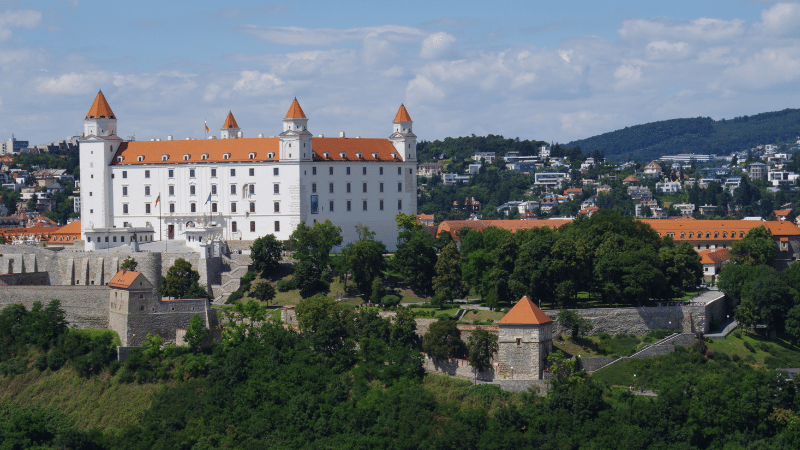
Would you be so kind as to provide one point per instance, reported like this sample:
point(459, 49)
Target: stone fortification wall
point(639, 321)
point(25, 279)
point(85, 306)
point(164, 318)
point(458, 368)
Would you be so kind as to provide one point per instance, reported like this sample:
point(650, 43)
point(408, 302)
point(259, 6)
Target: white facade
point(247, 188)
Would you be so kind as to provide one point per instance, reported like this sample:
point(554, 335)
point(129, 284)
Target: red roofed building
point(244, 188)
point(713, 261)
point(67, 234)
point(525, 339)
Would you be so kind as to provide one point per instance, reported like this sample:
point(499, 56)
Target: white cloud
point(665, 50)
point(421, 90)
point(73, 83)
point(23, 18)
point(436, 45)
point(257, 83)
point(627, 75)
point(781, 18)
point(330, 36)
point(704, 29)
point(580, 122)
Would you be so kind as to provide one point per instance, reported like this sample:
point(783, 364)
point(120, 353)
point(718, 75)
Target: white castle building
point(234, 188)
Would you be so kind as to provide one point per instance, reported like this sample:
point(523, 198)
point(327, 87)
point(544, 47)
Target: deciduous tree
point(443, 341)
point(264, 291)
point(179, 279)
point(266, 255)
point(448, 282)
point(482, 346)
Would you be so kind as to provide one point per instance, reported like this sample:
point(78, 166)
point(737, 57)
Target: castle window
point(233, 226)
point(724, 234)
point(147, 191)
point(741, 234)
point(348, 188)
point(399, 205)
point(716, 234)
point(124, 191)
point(193, 207)
point(276, 188)
point(314, 170)
point(120, 158)
point(124, 208)
point(233, 189)
point(276, 207)
point(683, 235)
point(252, 207)
point(171, 173)
point(380, 205)
point(252, 226)
point(213, 172)
point(330, 188)
point(164, 157)
point(330, 205)
point(147, 208)
point(380, 187)
point(233, 207)
point(275, 171)
point(380, 169)
point(399, 187)
point(519, 342)
point(225, 156)
point(251, 155)
point(708, 234)
point(399, 170)
point(146, 174)
point(233, 172)
point(171, 189)
point(213, 189)
point(375, 155)
point(277, 225)
point(213, 207)
point(364, 206)
point(172, 207)
point(349, 206)
point(348, 170)
point(140, 158)
point(363, 187)
point(364, 170)
point(204, 156)
point(314, 188)
point(252, 189)
point(252, 172)
point(691, 235)
point(330, 170)
point(191, 173)
point(270, 155)
point(192, 189)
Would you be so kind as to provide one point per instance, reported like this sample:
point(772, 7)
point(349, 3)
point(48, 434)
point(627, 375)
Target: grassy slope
point(98, 402)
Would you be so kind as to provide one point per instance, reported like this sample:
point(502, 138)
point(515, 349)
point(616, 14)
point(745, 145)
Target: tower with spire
point(97, 148)
point(230, 129)
point(403, 138)
point(295, 140)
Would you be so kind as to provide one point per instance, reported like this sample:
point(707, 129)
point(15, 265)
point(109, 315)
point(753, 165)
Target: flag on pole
point(206, 123)
point(158, 199)
point(209, 198)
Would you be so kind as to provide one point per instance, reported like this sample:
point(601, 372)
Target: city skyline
point(547, 71)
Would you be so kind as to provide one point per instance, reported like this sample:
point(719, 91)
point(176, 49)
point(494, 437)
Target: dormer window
point(270, 155)
point(204, 156)
point(185, 157)
point(343, 155)
point(375, 155)
point(326, 155)
point(226, 156)
point(358, 155)
point(395, 155)
point(252, 155)
point(164, 157)
point(140, 158)
point(120, 158)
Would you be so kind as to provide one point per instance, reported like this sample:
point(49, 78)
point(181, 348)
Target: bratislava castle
point(241, 188)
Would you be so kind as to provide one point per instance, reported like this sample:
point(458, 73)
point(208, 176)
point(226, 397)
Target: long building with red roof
point(241, 188)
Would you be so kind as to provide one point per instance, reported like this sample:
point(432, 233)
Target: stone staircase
point(234, 266)
point(662, 347)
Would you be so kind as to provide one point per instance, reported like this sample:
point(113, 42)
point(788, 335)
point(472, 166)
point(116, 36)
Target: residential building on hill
point(237, 188)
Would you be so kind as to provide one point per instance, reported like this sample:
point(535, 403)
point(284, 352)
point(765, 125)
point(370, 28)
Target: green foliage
point(757, 248)
point(195, 333)
point(40, 427)
point(234, 297)
point(482, 346)
point(180, 278)
point(285, 284)
point(443, 341)
point(312, 311)
point(448, 283)
point(248, 277)
point(415, 259)
point(364, 259)
point(266, 255)
point(196, 291)
point(264, 291)
point(314, 243)
point(308, 278)
point(577, 325)
point(129, 264)
point(390, 301)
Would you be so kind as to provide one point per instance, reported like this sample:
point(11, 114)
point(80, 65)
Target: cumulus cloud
point(781, 18)
point(23, 18)
point(436, 45)
point(665, 50)
point(704, 29)
point(257, 83)
point(73, 83)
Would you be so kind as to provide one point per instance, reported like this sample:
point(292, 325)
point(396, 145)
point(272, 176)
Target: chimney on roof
point(169, 138)
point(261, 135)
point(188, 139)
point(321, 135)
point(341, 134)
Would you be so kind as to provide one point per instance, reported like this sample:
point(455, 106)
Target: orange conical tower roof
point(100, 108)
point(295, 111)
point(230, 122)
point(402, 115)
point(525, 312)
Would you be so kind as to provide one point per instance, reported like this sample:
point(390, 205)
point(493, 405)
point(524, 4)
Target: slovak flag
point(207, 130)
point(209, 198)
point(158, 199)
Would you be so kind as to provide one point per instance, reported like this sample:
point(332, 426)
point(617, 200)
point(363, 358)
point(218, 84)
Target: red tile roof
point(70, 230)
point(123, 279)
point(230, 122)
point(100, 108)
point(714, 256)
point(525, 312)
point(295, 111)
point(782, 212)
point(452, 226)
point(351, 147)
point(237, 149)
point(402, 115)
point(732, 227)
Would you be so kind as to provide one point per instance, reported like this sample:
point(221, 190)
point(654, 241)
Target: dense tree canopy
point(266, 255)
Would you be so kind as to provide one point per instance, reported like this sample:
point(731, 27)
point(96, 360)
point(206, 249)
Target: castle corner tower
point(525, 341)
point(230, 129)
point(403, 138)
point(295, 140)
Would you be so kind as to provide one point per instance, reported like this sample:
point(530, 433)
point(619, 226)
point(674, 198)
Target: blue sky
point(548, 70)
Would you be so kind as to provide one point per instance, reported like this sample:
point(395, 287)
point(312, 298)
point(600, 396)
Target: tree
point(128, 264)
point(365, 260)
point(312, 311)
point(266, 255)
point(772, 298)
point(448, 282)
point(195, 333)
point(264, 291)
point(196, 291)
point(482, 346)
point(314, 243)
point(308, 278)
point(577, 325)
point(415, 259)
point(756, 248)
point(793, 324)
point(443, 341)
point(179, 279)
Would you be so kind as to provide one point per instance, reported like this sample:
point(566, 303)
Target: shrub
point(764, 347)
point(245, 288)
point(234, 297)
point(285, 285)
point(390, 301)
point(749, 346)
point(248, 277)
point(659, 334)
point(41, 362)
point(13, 366)
point(56, 358)
point(737, 334)
point(735, 358)
point(603, 336)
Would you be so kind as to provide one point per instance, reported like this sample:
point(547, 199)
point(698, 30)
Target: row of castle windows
point(708, 234)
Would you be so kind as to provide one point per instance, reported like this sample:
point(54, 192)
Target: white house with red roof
point(237, 188)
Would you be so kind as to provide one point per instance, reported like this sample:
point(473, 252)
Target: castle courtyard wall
point(84, 306)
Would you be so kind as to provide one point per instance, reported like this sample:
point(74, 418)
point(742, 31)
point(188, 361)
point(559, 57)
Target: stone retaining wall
point(458, 368)
point(85, 306)
point(592, 364)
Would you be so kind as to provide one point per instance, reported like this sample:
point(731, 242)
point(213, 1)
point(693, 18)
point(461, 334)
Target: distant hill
point(699, 135)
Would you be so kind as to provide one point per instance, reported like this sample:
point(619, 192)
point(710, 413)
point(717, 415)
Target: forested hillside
point(699, 135)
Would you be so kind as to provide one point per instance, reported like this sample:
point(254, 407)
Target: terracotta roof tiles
point(123, 279)
point(402, 115)
point(152, 152)
point(230, 122)
point(525, 312)
point(331, 149)
point(100, 108)
point(295, 111)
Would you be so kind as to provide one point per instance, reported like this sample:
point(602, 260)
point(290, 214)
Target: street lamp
point(634, 382)
point(512, 372)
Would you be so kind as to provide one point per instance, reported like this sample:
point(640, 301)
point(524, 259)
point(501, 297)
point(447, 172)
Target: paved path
point(725, 331)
